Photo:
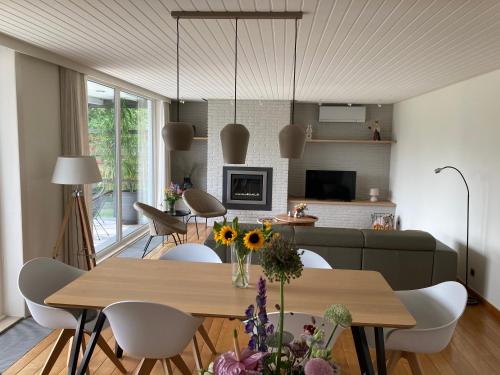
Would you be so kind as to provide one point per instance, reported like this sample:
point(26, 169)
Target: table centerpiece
point(172, 194)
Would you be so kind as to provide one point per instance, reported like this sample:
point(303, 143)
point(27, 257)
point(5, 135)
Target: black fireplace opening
point(247, 188)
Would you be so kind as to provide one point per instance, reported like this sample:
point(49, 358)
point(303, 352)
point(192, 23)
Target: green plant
point(102, 139)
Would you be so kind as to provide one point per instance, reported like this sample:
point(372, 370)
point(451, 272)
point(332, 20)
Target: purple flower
point(250, 311)
point(261, 300)
point(263, 348)
point(252, 342)
point(249, 326)
point(263, 317)
point(270, 329)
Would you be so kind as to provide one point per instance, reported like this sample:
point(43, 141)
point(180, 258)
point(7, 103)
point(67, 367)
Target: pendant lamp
point(234, 137)
point(178, 135)
point(292, 137)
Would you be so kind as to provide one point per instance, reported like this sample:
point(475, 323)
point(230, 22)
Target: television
point(335, 185)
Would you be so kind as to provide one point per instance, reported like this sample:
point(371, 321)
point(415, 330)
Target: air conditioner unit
point(342, 113)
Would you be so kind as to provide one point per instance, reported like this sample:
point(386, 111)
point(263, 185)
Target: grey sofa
point(408, 259)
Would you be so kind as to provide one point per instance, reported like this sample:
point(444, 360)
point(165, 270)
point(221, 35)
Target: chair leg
point(196, 225)
point(196, 353)
point(204, 334)
point(147, 245)
point(414, 363)
point(394, 358)
point(110, 354)
point(181, 365)
point(61, 341)
point(167, 367)
point(145, 366)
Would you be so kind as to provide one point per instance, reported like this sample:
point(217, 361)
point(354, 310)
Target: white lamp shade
point(76, 170)
point(374, 192)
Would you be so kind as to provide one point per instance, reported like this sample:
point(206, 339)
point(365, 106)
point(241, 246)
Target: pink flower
point(318, 366)
point(227, 364)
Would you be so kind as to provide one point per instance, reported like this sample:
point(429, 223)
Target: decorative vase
point(240, 266)
point(187, 184)
point(170, 208)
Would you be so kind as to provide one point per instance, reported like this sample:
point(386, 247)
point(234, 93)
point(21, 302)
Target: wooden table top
point(204, 289)
point(308, 219)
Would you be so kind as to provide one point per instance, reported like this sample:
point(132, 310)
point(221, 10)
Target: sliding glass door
point(120, 137)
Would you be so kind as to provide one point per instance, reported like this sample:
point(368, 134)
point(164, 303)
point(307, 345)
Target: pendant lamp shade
point(178, 135)
point(234, 139)
point(292, 137)
point(292, 140)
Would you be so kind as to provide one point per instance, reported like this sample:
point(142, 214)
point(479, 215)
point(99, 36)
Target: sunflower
point(254, 240)
point(267, 225)
point(227, 235)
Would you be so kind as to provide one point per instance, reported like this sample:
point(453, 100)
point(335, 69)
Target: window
point(120, 128)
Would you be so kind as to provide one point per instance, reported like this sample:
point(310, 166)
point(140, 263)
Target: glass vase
point(240, 262)
point(170, 206)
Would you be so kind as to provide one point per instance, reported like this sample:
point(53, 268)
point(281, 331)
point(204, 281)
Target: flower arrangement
point(243, 243)
point(307, 354)
point(172, 194)
point(299, 210)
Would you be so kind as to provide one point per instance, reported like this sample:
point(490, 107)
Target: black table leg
point(77, 343)
point(92, 343)
point(380, 347)
point(364, 359)
point(118, 351)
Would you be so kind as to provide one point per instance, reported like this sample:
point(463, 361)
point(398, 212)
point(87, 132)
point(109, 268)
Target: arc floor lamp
point(470, 300)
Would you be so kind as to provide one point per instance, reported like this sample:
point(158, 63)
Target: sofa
point(409, 259)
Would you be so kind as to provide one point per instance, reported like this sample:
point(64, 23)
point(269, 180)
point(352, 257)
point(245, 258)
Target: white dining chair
point(192, 252)
point(38, 279)
point(310, 259)
point(162, 336)
point(195, 252)
point(436, 310)
point(295, 322)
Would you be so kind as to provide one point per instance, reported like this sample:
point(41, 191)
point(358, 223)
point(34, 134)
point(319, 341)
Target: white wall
point(11, 239)
point(264, 119)
point(460, 126)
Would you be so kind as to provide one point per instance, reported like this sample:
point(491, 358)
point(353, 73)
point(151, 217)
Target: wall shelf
point(200, 138)
point(296, 200)
point(358, 141)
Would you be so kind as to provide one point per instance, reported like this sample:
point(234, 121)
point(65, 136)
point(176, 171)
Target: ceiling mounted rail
point(238, 15)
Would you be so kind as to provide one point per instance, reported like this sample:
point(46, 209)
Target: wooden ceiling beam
point(238, 15)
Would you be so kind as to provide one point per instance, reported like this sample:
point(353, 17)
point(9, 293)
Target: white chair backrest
point(150, 330)
point(310, 259)
point(436, 310)
point(192, 252)
point(295, 322)
point(38, 279)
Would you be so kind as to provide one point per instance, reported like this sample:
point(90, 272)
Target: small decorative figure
point(375, 128)
point(309, 132)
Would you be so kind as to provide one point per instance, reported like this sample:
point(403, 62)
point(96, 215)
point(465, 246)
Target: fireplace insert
point(339, 185)
point(247, 188)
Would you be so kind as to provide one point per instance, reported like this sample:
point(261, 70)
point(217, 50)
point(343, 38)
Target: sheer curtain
point(74, 134)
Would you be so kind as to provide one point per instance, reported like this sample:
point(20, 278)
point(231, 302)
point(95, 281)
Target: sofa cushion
point(414, 240)
point(332, 237)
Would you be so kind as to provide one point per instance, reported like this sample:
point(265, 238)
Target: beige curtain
point(73, 92)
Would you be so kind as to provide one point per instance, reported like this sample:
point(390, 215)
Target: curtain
point(74, 134)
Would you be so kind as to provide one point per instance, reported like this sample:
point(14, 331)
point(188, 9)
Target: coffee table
point(305, 221)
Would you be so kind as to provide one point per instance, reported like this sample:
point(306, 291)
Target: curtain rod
point(239, 15)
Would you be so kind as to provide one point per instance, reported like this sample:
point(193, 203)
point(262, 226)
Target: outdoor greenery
point(102, 141)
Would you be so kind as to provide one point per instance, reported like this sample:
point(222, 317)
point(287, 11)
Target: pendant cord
point(178, 108)
point(235, 66)
point(294, 68)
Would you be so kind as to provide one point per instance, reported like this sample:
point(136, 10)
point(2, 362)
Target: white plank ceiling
point(359, 51)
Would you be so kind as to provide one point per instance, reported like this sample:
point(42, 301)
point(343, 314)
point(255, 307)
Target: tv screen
point(340, 185)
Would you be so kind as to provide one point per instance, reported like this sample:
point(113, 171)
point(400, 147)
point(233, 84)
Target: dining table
point(205, 290)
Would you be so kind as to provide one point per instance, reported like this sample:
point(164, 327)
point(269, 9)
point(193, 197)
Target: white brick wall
point(343, 215)
point(264, 120)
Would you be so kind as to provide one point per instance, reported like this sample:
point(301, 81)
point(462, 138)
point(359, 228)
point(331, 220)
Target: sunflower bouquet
point(243, 243)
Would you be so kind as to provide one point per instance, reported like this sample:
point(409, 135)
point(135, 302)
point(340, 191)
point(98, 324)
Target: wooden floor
point(475, 348)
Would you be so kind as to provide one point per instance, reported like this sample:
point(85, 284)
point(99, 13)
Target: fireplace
point(247, 188)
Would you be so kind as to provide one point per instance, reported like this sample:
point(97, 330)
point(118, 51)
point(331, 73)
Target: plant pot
point(129, 214)
point(240, 266)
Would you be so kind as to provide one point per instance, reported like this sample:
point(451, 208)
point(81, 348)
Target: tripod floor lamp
point(77, 171)
point(470, 300)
